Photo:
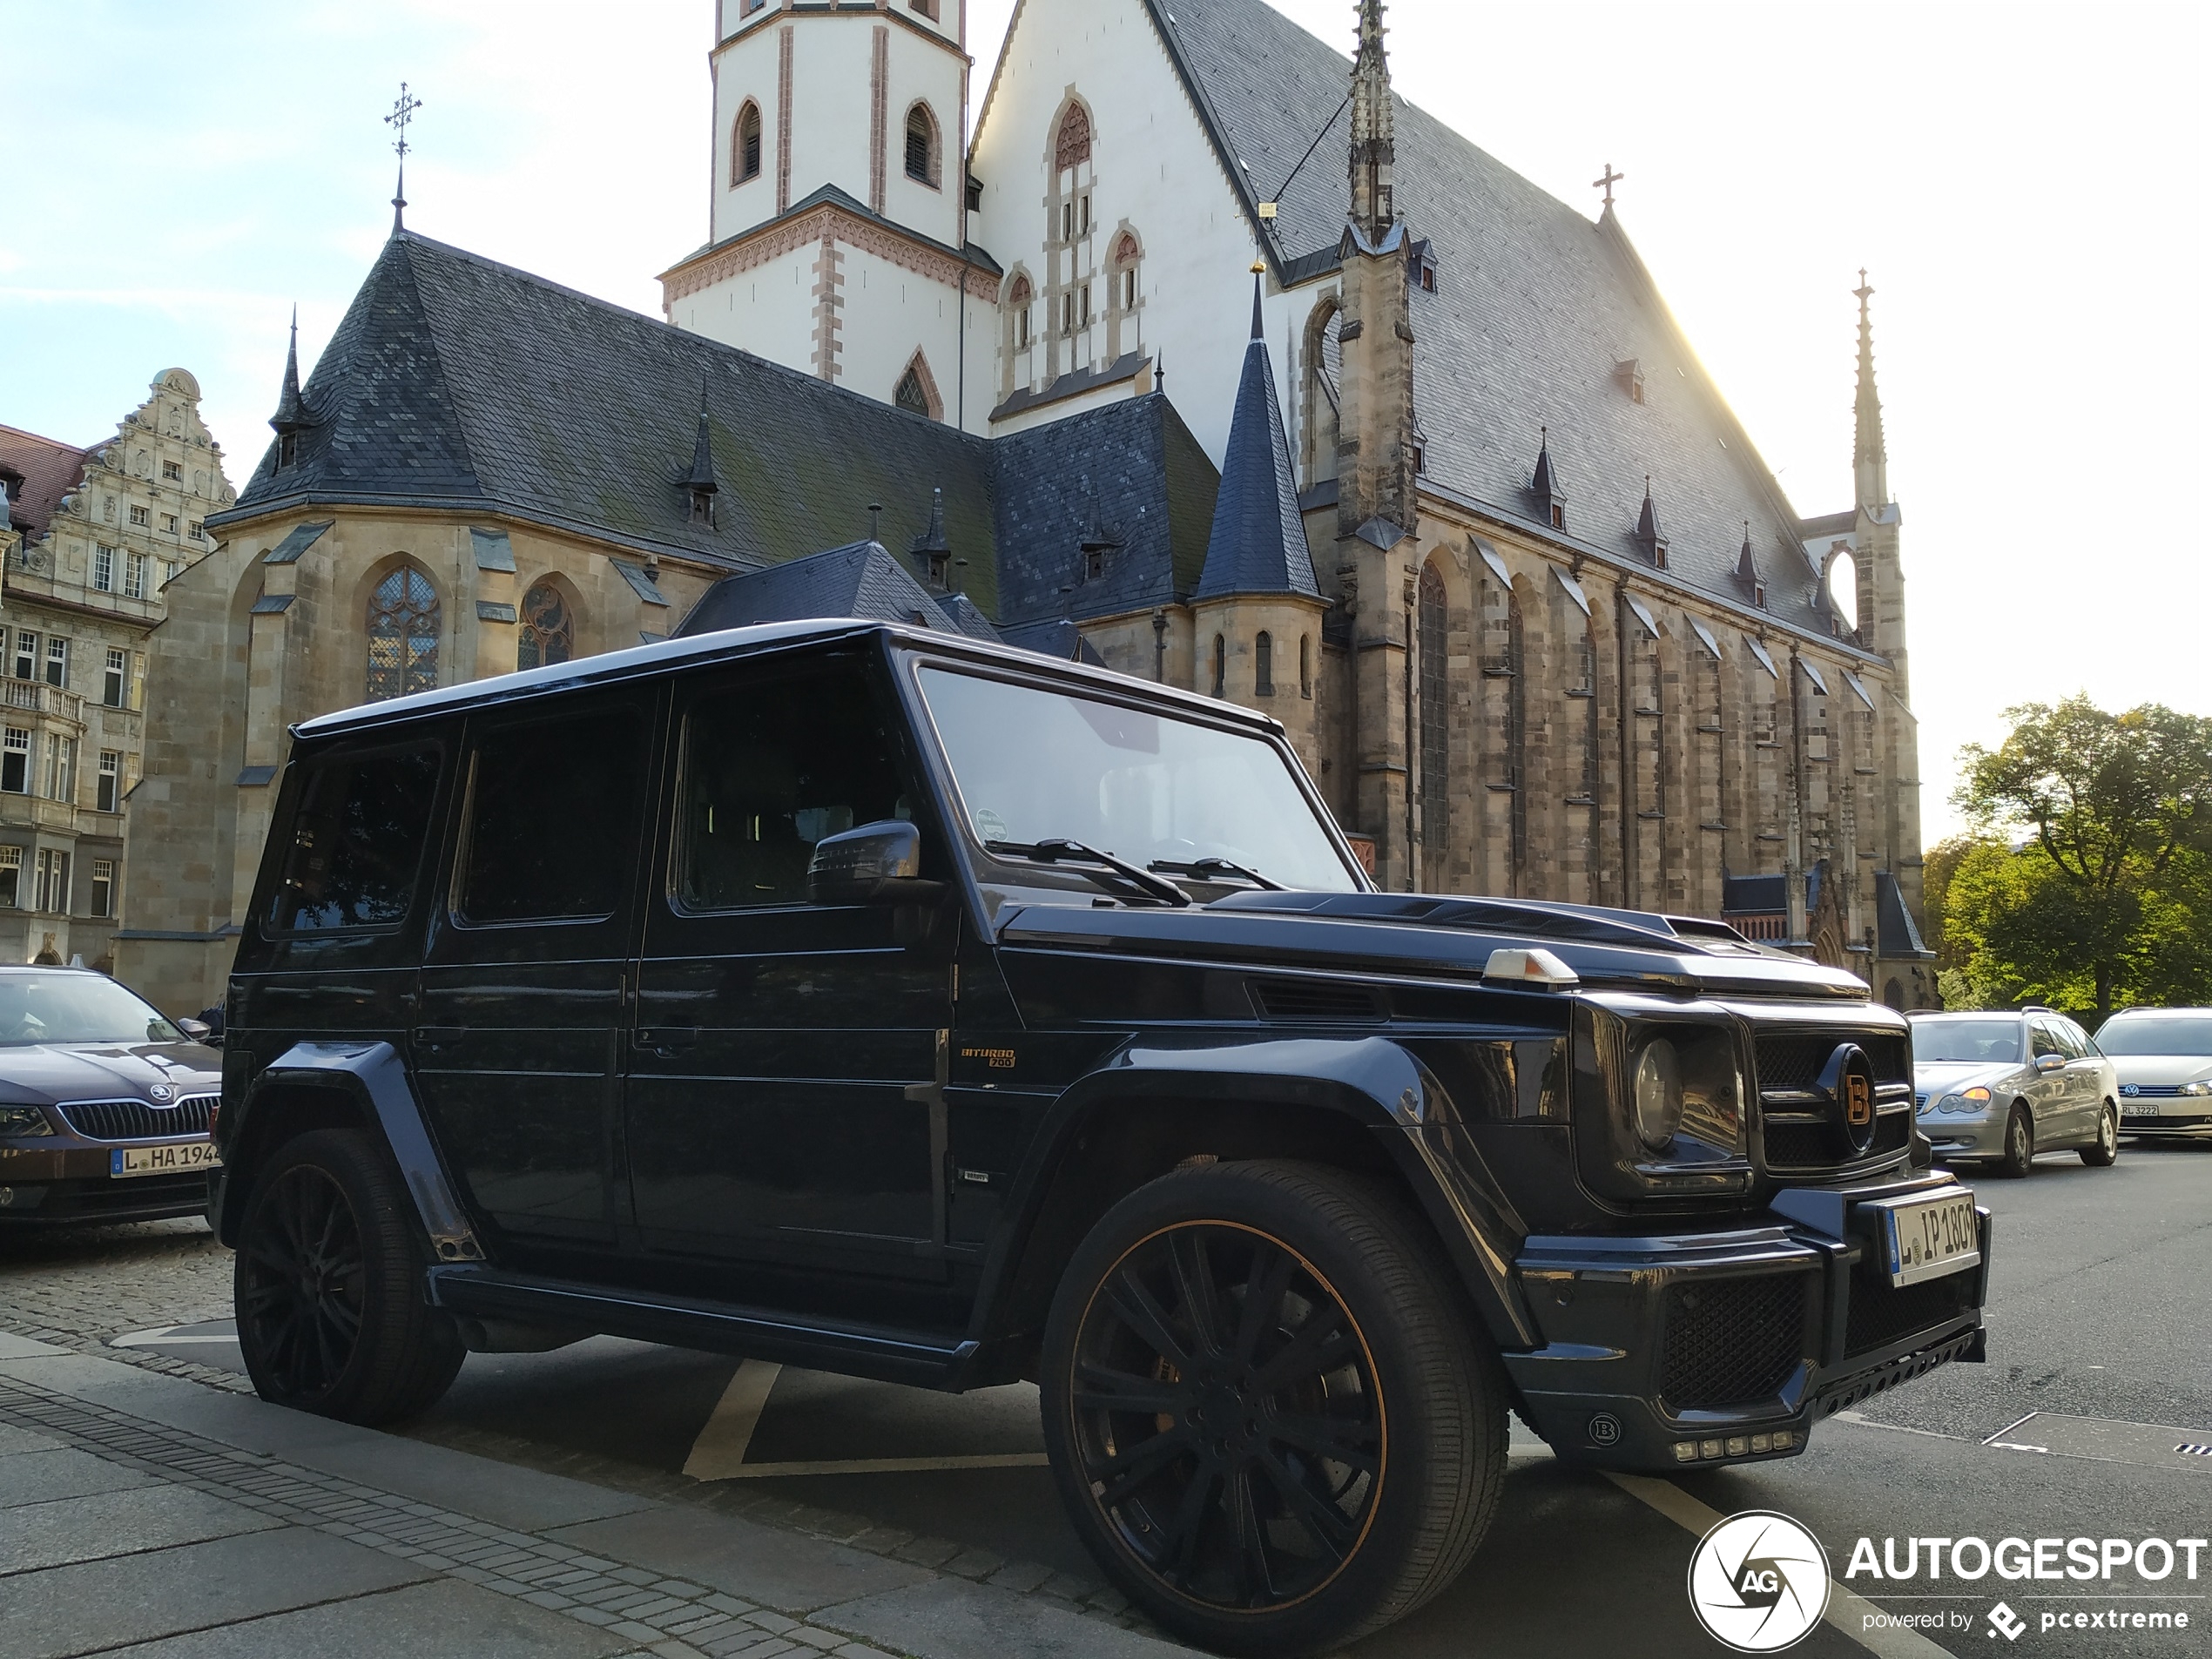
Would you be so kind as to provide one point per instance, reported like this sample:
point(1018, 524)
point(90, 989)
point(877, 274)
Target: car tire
point(327, 1285)
point(1272, 1420)
point(2104, 1151)
point(2020, 1144)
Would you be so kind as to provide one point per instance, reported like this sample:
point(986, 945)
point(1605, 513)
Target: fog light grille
point(1733, 1342)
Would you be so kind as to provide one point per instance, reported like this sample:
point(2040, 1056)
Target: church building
point(1436, 482)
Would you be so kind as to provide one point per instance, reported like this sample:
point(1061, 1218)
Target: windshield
point(1035, 766)
point(1987, 1041)
point(75, 1007)
point(2180, 1033)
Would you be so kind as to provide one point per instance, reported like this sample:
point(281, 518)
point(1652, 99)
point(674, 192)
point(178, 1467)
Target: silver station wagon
point(2004, 1087)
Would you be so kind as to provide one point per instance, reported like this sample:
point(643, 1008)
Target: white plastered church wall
point(1154, 168)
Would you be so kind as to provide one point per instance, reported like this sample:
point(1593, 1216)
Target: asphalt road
point(2101, 1365)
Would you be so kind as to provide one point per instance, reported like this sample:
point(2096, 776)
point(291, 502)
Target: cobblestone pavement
point(81, 1288)
point(669, 1617)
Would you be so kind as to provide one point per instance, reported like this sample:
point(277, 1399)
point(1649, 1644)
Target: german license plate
point(181, 1159)
point(1931, 1238)
point(2140, 1108)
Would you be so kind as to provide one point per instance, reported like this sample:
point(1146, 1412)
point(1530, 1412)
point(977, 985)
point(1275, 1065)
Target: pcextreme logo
point(1758, 1582)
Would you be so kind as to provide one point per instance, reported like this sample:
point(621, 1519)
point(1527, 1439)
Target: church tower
point(1377, 508)
point(838, 246)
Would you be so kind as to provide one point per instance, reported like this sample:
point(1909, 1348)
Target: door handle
point(432, 1038)
point(666, 1042)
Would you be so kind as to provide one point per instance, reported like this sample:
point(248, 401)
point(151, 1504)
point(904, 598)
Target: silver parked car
point(2164, 1059)
point(2004, 1087)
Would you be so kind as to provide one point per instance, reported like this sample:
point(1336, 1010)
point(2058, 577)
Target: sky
point(2024, 183)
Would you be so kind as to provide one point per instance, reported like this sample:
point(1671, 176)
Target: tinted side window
point(357, 842)
point(2076, 1040)
point(2046, 1041)
point(768, 771)
point(552, 817)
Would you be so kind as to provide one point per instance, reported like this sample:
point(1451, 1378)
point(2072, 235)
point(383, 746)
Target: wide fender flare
point(1373, 1081)
point(376, 1075)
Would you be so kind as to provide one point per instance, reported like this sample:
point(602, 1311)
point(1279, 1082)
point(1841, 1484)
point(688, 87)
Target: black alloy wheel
point(2104, 1152)
point(1270, 1452)
point(2020, 1144)
point(327, 1285)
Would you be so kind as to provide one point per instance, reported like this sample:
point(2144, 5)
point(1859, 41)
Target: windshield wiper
point(1209, 869)
point(1059, 851)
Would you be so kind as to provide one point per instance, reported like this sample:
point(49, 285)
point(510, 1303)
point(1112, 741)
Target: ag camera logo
point(1758, 1582)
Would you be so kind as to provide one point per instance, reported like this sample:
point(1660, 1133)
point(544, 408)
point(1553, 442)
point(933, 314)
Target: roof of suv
point(644, 661)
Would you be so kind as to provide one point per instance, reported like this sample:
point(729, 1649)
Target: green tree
point(2107, 895)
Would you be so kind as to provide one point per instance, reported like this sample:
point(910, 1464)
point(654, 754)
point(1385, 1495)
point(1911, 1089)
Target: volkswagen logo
point(1848, 1080)
point(161, 1094)
point(2131, 1089)
point(1758, 1582)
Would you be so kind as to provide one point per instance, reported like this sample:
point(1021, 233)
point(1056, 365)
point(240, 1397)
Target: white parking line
point(882, 1466)
point(1847, 1611)
point(718, 1452)
point(161, 1338)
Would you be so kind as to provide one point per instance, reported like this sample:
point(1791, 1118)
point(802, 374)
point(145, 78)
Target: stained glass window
point(549, 630)
point(403, 635)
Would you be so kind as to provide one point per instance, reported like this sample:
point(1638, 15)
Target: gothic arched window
point(1432, 619)
point(1017, 301)
point(916, 392)
point(745, 144)
point(1127, 257)
point(402, 634)
point(921, 145)
point(1071, 146)
point(1263, 664)
point(1220, 665)
point(549, 629)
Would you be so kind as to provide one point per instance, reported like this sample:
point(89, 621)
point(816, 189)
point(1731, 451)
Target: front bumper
point(1696, 1350)
point(1954, 1135)
point(46, 1184)
point(2166, 1115)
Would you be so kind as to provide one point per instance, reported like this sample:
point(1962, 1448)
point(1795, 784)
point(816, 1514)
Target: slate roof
point(49, 471)
point(1258, 544)
point(459, 382)
point(455, 380)
point(860, 580)
point(1129, 473)
point(1535, 308)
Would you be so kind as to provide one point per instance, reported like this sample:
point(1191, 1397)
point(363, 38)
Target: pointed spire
point(1374, 128)
point(1649, 537)
point(1747, 571)
point(929, 551)
point(1545, 485)
point(1259, 278)
point(1259, 540)
point(700, 480)
point(290, 412)
point(1870, 457)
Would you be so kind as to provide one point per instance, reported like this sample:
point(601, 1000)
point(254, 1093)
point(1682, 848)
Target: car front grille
point(1734, 1342)
point(1881, 1315)
point(1821, 1146)
point(136, 1120)
point(2151, 1091)
point(1794, 1060)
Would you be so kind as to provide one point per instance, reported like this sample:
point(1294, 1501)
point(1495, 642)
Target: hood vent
point(1317, 1003)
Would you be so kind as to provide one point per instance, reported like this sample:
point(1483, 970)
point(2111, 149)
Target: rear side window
point(771, 770)
point(357, 842)
point(553, 811)
point(2046, 1040)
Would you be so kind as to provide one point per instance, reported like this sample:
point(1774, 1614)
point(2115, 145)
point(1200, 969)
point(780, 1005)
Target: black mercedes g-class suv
point(873, 1000)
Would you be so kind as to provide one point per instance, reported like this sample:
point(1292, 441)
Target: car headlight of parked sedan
point(1966, 1100)
point(24, 1120)
point(2202, 1087)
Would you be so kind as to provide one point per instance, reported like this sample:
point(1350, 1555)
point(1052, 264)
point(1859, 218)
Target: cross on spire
point(403, 109)
point(1610, 178)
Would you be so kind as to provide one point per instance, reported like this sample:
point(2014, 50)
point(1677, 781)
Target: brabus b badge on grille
point(1858, 1099)
point(1848, 1080)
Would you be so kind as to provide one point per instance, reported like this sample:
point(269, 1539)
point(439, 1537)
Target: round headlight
point(1658, 1094)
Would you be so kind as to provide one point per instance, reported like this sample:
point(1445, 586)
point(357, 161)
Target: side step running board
point(858, 1351)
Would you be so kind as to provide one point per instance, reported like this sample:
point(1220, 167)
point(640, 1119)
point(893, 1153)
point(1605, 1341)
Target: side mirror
point(878, 863)
point(198, 1030)
point(2050, 1062)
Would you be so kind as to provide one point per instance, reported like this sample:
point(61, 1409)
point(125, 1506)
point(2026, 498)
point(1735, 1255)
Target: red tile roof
point(49, 471)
